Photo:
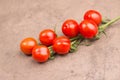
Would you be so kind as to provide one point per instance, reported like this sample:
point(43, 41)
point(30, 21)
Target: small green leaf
point(52, 57)
point(87, 42)
point(104, 33)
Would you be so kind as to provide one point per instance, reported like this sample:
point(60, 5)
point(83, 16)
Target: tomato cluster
point(88, 28)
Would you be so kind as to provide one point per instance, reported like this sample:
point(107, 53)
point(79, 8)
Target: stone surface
point(26, 18)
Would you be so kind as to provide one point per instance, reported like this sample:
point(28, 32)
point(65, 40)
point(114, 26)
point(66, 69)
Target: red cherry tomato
point(27, 45)
point(47, 36)
point(40, 53)
point(70, 28)
point(61, 45)
point(93, 15)
point(88, 29)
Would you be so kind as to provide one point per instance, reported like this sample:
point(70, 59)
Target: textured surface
point(24, 18)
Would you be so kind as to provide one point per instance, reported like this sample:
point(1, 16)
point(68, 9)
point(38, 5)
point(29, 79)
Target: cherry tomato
point(40, 53)
point(93, 15)
point(61, 45)
point(47, 36)
point(70, 28)
point(27, 45)
point(88, 28)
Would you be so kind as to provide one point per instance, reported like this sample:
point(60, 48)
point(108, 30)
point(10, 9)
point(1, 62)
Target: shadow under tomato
point(36, 62)
point(62, 55)
point(21, 53)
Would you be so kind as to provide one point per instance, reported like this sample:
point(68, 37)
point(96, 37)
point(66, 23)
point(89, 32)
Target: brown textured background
point(26, 18)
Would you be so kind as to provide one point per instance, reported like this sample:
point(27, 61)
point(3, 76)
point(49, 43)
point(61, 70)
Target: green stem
point(104, 26)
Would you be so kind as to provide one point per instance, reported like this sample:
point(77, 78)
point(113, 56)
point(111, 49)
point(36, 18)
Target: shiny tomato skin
point(93, 15)
point(88, 28)
point(70, 28)
point(61, 45)
point(40, 53)
point(27, 45)
point(47, 36)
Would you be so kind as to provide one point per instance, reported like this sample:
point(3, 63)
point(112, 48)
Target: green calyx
point(52, 52)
